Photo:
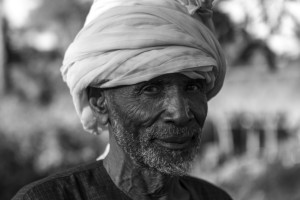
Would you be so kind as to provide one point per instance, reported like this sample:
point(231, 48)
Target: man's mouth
point(175, 143)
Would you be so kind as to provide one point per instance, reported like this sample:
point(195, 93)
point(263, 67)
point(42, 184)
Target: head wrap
point(124, 42)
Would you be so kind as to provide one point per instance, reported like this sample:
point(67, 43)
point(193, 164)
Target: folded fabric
point(127, 42)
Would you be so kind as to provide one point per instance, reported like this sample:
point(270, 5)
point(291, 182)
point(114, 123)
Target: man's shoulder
point(67, 184)
point(206, 189)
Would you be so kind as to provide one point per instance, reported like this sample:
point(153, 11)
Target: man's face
point(159, 122)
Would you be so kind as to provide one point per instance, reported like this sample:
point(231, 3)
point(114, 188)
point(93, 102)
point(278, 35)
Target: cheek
point(140, 113)
point(199, 109)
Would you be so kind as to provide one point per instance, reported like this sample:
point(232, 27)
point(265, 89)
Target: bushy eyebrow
point(156, 82)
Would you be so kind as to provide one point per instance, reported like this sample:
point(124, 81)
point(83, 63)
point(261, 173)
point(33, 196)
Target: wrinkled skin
point(155, 130)
point(170, 106)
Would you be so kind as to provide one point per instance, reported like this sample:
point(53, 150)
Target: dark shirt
point(92, 182)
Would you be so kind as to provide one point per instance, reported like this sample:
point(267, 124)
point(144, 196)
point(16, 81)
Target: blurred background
point(251, 138)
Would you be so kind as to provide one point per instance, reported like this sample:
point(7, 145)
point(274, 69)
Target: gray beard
point(147, 154)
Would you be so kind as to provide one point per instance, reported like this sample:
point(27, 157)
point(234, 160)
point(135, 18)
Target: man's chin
point(174, 169)
point(169, 161)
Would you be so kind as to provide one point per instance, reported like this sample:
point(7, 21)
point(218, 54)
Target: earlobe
point(103, 119)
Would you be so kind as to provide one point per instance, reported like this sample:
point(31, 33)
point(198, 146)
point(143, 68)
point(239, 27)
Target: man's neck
point(136, 182)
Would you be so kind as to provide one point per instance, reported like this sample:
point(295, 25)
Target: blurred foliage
point(40, 132)
point(30, 156)
point(258, 167)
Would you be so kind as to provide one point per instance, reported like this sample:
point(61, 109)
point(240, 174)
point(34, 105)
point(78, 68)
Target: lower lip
point(174, 145)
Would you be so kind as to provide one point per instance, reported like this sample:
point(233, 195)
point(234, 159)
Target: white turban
point(124, 42)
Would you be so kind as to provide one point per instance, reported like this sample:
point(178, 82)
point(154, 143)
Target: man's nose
point(177, 110)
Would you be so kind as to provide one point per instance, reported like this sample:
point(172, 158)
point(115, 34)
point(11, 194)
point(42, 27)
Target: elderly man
point(143, 69)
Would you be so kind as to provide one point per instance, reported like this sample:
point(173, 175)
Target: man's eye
point(194, 87)
point(151, 89)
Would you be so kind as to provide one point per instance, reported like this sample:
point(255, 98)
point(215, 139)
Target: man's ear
point(98, 104)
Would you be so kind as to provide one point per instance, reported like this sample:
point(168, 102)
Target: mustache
point(162, 132)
